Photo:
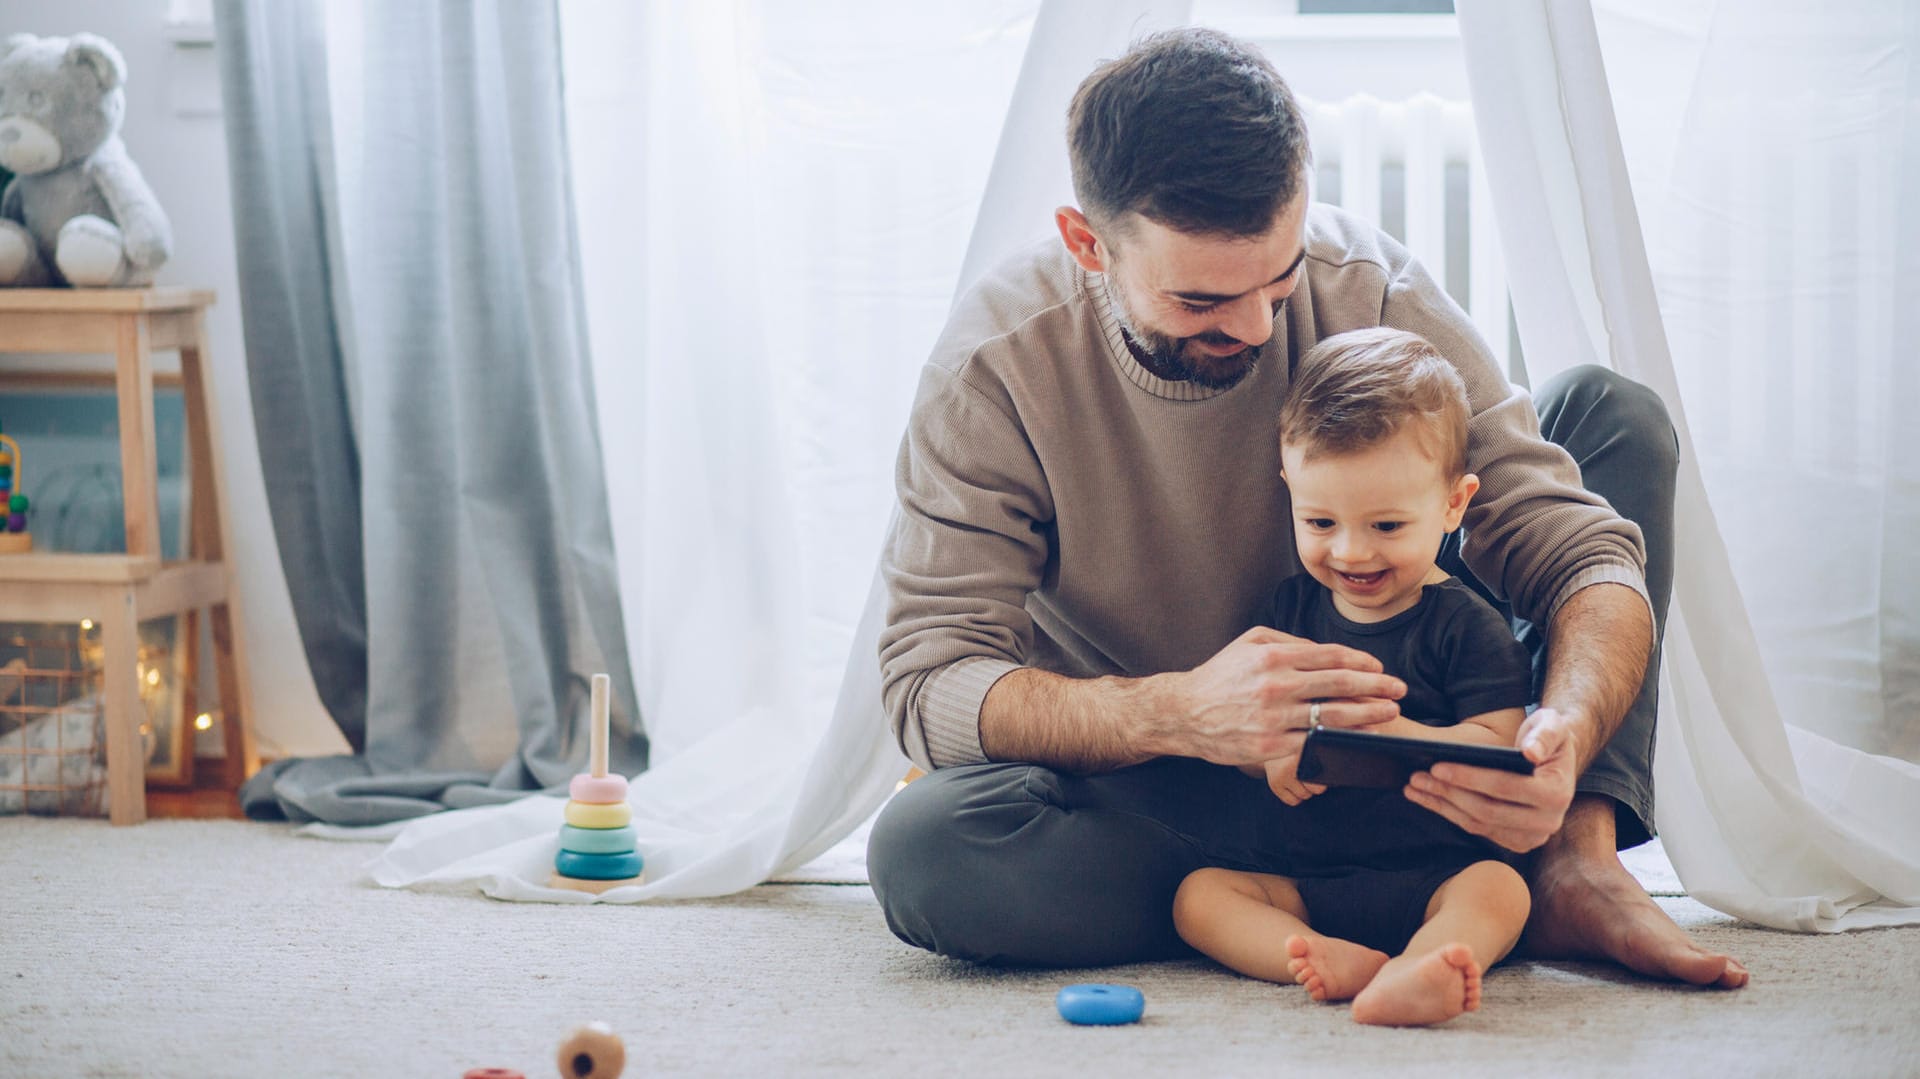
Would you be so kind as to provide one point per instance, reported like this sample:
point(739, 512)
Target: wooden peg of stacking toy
point(597, 849)
point(593, 1051)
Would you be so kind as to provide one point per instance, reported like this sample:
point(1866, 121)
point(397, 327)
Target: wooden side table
point(118, 591)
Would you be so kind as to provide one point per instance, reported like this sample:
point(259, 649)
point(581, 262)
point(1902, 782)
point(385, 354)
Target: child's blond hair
point(1357, 389)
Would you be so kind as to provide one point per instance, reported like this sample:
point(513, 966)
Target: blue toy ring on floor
point(1100, 1005)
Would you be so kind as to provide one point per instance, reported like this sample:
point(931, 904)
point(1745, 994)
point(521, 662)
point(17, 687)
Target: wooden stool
point(120, 590)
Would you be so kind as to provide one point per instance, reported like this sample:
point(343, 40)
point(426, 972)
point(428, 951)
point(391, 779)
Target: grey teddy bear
point(77, 211)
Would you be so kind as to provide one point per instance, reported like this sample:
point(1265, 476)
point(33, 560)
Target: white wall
point(175, 132)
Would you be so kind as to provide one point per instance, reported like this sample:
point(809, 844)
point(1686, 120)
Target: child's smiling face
point(1368, 524)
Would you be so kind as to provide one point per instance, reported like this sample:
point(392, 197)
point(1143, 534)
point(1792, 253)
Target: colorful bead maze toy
point(14, 537)
point(597, 843)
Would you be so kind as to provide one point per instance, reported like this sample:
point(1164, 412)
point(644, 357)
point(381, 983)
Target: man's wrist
point(1081, 724)
point(1581, 728)
point(1155, 706)
point(1598, 653)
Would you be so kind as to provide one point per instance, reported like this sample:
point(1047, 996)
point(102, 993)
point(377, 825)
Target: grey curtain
point(424, 404)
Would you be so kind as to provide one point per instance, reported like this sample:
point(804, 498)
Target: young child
point(1374, 454)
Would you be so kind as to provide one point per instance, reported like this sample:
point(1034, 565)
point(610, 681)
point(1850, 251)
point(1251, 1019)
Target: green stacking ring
point(596, 866)
point(597, 840)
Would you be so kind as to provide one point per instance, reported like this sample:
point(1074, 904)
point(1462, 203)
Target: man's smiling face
point(1199, 307)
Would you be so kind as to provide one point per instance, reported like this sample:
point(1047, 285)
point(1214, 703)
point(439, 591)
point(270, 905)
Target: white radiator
point(1390, 162)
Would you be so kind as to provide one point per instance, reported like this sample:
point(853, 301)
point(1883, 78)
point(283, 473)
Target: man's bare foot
point(1589, 907)
point(1410, 992)
point(1331, 968)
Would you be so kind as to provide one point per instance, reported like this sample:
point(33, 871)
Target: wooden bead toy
point(493, 1073)
point(593, 1051)
point(597, 849)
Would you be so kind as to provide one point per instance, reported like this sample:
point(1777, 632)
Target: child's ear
point(1457, 499)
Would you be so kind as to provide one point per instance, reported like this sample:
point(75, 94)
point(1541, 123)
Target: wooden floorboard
point(208, 798)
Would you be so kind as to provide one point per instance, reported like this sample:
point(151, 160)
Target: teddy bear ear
point(16, 41)
point(97, 53)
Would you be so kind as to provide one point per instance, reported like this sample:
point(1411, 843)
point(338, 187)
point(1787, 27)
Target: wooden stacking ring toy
point(597, 844)
point(623, 866)
point(600, 790)
point(596, 840)
point(595, 815)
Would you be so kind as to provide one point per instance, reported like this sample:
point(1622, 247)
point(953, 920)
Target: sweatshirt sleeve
point(1534, 534)
point(967, 546)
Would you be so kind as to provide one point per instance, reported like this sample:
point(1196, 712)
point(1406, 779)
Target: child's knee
point(1503, 886)
point(1200, 892)
point(1205, 892)
point(1492, 886)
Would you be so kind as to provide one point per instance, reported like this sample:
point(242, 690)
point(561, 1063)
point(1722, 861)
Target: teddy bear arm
point(143, 224)
point(10, 201)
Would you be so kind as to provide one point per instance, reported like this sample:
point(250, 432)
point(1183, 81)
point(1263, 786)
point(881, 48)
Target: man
point(1091, 519)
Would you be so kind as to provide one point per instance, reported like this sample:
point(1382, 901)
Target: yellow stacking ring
point(599, 815)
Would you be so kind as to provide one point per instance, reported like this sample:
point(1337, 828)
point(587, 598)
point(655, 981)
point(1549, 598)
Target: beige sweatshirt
point(1061, 507)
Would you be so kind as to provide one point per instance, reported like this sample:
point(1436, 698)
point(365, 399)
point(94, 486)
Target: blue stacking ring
point(597, 840)
point(597, 866)
point(1100, 1005)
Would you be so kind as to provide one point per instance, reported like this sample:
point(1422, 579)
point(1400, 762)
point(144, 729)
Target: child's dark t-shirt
point(1458, 657)
point(1368, 861)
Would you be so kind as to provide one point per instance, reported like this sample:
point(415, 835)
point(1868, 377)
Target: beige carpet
point(205, 949)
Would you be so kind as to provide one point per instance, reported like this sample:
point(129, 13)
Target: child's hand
point(1286, 784)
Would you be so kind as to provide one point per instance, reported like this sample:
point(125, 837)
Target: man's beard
point(1168, 357)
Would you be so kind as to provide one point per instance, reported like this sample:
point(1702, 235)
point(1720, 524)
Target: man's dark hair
point(1191, 129)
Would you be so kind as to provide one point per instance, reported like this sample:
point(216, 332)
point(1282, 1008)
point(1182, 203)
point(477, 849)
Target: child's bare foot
point(1417, 992)
point(1331, 968)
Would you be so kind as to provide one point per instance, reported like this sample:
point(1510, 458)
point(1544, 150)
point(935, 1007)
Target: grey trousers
point(1022, 864)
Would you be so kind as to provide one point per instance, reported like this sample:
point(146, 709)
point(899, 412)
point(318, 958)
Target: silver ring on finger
point(1313, 714)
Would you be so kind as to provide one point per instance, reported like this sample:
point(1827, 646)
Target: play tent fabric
point(1765, 820)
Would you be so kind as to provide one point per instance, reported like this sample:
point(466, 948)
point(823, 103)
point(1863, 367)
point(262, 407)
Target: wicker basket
point(52, 732)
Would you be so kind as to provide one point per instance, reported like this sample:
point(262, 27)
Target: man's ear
point(1077, 233)
point(1457, 499)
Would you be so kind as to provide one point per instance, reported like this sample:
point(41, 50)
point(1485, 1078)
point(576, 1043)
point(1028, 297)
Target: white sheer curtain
point(773, 202)
point(1769, 144)
point(1031, 174)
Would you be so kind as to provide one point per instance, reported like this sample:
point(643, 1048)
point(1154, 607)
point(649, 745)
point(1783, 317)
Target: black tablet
point(1342, 758)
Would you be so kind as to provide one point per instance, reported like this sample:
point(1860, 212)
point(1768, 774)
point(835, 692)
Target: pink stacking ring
point(599, 790)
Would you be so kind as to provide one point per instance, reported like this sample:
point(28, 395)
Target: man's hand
point(1250, 703)
point(1518, 812)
